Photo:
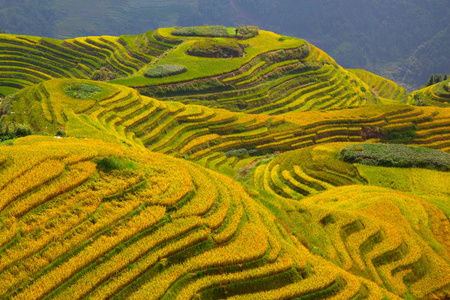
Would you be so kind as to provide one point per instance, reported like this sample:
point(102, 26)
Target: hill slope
point(119, 114)
point(276, 74)
point(112, 212)
point(436, 95)
point(100, 220)
point(399, 36)
point(29, 60)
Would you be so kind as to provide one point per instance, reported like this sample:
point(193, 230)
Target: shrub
point(396, 155)
point(22, 130)
point(107, 164)
point(60, 133)
point(164, 71)
point(9, 131)
point(205, 31)
point(104, 74)
point(237, 152)
point(5, 106)
point(284, 38)
point(216, 48)
point(401, 135)
point(418, 100)
point(246, 32)
point(81, 90)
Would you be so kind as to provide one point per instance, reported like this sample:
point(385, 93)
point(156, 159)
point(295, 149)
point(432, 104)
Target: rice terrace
point(217, 162)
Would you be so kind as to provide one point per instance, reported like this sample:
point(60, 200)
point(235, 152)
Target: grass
point(203, 31)
point(107, 164)
point(394, 155)
point(81, 91)
point(164, 71)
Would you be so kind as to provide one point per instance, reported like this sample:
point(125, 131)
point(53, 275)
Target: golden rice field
point(386, 90)
point(221, 182)
point(28, 60)
point(103, 221)
point(87, 219)
point(120, 114)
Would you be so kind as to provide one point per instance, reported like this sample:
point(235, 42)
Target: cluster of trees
point(10, 131)
point(1, 30)
point(436, 78)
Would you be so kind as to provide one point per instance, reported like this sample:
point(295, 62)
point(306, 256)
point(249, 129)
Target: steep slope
point(364, 229)
point(386, 90)
point(111, 216)
point(300, 173)
point(434, 95)
point(276, 73)
point(103, 221)
point(119, 114)
point(392, 30)
point(27, 60)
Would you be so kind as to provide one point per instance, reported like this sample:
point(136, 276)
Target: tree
point(430, 80)
point(437, 78)
point(445, 77)
point(1, 30)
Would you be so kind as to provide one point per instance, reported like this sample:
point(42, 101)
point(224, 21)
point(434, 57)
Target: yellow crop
point(44, 284)
point(35, 177)
point(155, 226)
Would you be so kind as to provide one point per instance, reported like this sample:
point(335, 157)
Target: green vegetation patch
point(396, 155)
point(202, 67)
point(164, 71)
point(81, 90)
point(246, 32)
point(216, 48)
point(104, 74)
point(5, 104)
point(442, 89)
point(108, 164)
point(9, 131)
point(205, 31)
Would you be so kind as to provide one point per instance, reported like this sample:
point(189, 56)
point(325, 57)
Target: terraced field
point(386, 90)
point(100, 220)
point(435, 95)
point(276, 75)
point(120, 114)
point(30, 60)
point(223, 181)
point(309, 171)
point(300, 78)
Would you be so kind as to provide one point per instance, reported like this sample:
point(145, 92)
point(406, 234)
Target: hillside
point(216, 163)
point(276, 74)
point(100, 220)
point(401, 40)
point(437, 95)
point(28, 60)
point(120, 114)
